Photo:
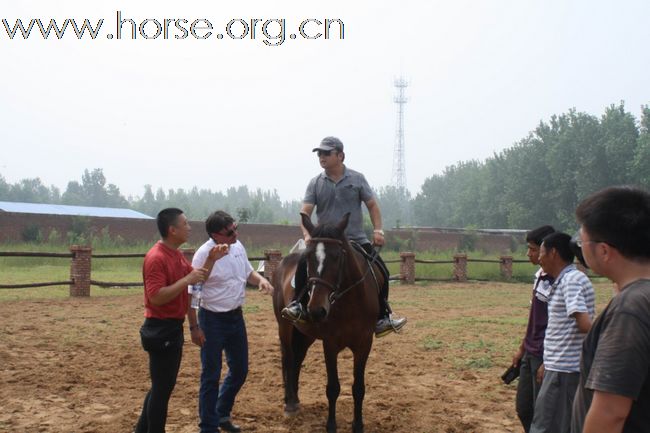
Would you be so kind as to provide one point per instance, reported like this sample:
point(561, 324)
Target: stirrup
point(394, 326)
point(300, 318)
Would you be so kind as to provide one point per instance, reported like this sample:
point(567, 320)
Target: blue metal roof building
point(59, 209)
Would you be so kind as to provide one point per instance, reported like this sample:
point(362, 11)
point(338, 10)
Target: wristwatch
point(379, 231)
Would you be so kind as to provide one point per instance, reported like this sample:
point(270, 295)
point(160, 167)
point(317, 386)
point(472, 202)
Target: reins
point(336, 292)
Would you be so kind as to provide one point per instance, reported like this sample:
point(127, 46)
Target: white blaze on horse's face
point(320, 257)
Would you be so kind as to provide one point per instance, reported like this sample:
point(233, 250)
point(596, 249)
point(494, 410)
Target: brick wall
point(431, 239)
point(130, 229)
point(252, 235)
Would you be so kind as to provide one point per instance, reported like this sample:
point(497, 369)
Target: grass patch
point(478, 345)
point(430, 343)
point(479, 363)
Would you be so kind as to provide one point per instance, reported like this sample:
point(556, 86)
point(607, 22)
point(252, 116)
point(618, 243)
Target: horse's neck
point(357, 262)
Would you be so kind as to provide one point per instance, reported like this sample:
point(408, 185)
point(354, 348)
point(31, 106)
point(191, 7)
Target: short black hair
point(166, 218)
point(217, 221)
point(561, 242)
point(537, 235)
point(620, 217)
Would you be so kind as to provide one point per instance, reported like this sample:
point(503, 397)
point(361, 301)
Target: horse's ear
point(306, 222)
point(343, 223)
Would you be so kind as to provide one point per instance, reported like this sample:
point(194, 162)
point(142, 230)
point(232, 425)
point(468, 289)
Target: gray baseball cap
point(328, 144)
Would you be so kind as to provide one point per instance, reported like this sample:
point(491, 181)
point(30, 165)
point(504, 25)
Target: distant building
point(21, 221)
point(60, 209)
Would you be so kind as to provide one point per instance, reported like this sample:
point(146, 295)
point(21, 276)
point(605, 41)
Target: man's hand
point(198, 274)
point(198, 337)
point(218, 251)
point(265, 287)
point(539, 377)
point(378, 239)
point(516, 358)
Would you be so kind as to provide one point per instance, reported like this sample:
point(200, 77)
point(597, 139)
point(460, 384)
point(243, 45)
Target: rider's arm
point(375, 218)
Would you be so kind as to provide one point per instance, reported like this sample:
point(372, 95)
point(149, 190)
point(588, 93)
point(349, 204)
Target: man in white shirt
point(221, 327)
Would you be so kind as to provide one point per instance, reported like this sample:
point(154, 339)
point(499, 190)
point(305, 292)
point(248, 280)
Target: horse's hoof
point(291, 410)
point(331, 428)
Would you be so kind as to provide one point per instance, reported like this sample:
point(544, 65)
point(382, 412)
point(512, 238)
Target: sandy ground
point(75, 365)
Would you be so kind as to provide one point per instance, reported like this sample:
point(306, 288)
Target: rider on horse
point(335, 192)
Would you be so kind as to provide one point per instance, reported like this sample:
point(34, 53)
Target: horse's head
point(326, 255)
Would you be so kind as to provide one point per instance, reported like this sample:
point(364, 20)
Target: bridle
point(336, 291)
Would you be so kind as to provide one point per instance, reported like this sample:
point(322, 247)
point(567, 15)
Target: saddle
point(370, 259)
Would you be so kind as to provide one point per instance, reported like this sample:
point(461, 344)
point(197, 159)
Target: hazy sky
point(217, 113)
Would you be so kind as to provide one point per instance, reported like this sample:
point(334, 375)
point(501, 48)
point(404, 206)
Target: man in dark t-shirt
point(529, 356)
point(614, 390)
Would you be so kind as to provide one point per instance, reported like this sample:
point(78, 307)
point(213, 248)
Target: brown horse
point(342, 308)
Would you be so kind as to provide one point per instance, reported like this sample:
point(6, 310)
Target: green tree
point(93, 191)
point(4, 189)
point(641, 162)
point(395, 204)
point(243, 214)
point(73, 194)
point(619, 143)
point(30, 191)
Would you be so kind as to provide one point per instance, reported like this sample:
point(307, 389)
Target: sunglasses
point(230, 232)
point(324, 153)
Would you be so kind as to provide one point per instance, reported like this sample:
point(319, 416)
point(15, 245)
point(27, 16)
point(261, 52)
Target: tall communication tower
point(399, 171)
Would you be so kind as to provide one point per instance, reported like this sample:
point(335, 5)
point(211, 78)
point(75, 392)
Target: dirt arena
point(76, 365)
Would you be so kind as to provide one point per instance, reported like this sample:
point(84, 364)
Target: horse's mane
point(327, 231)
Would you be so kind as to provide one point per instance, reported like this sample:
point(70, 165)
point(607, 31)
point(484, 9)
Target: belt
point(237, 311)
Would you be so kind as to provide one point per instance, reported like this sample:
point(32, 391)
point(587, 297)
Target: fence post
point(407, 267)
point(506, 267)
point(80, 270)
point(273, 258)
point(188, 253)
point(460, 267)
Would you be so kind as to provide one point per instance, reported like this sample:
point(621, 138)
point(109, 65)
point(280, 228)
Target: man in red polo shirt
point(166, 275)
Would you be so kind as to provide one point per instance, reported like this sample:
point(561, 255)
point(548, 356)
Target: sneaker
point(227, 426)
point(388, 324)
point(295, 312)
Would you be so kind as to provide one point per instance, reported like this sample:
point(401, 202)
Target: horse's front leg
point(333, 385)
point(359, 385)
point(294, 347)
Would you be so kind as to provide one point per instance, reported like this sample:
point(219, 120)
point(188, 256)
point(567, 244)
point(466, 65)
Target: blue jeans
point(223, 332)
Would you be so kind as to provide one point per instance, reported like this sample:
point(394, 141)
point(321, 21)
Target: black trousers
point(301, 281)
point(163, 341)
point(527, 389)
